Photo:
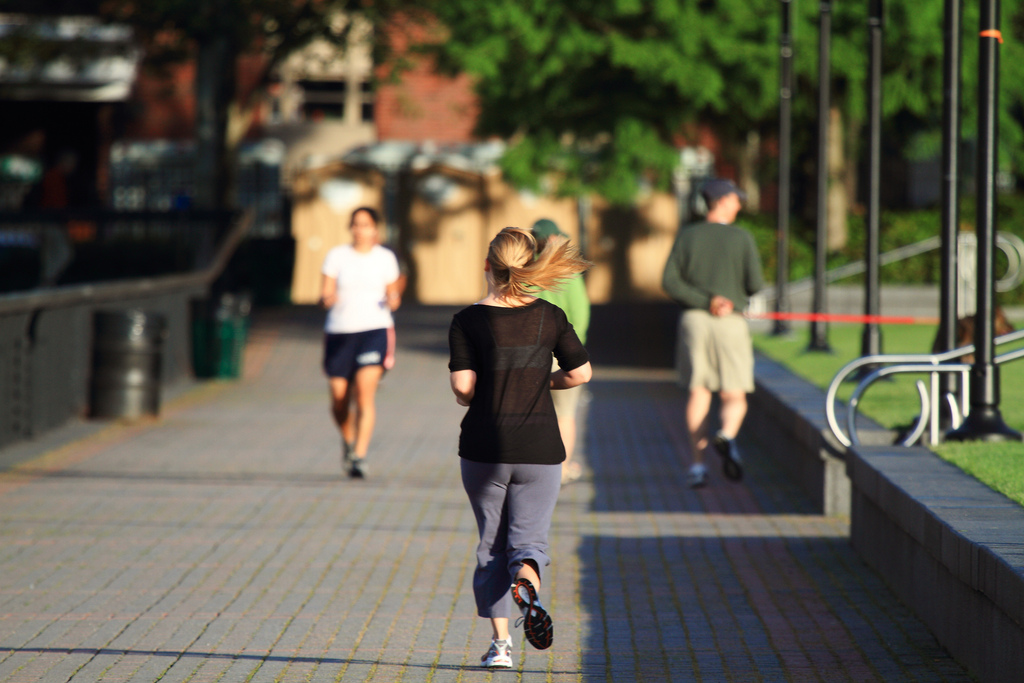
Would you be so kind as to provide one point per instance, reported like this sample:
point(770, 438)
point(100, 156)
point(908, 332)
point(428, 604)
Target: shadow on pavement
point(632, 334)
point(276, 479)
point(176, 654)
point(735, 581)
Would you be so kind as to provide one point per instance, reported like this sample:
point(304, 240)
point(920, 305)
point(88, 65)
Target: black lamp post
point(985, 423)
point(871, 338)
point(950, 200)
point(785, 158)
point(819, 329)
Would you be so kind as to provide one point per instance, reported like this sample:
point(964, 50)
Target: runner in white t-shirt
point(361, 286)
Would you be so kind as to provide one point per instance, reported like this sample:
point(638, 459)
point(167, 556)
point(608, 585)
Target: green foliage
point(618, 83)
point(598, 92)
point(912, 76)
point(801, 252)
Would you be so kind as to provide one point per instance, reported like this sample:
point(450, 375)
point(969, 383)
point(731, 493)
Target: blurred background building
point(99, 120)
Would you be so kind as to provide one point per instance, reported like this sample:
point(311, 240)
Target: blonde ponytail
point(515, 269)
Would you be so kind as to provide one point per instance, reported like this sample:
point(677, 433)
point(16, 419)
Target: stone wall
point(949, 547)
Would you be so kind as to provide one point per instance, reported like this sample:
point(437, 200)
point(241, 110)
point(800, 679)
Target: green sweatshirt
point(709, 259)
point(572, 298)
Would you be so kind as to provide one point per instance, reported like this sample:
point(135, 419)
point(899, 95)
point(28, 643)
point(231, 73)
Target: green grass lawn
point(895, 404)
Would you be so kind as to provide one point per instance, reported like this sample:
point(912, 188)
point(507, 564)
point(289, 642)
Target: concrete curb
point(789, 411)
point(949, 547)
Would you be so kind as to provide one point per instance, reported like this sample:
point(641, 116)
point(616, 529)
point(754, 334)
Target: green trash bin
point(219, 331)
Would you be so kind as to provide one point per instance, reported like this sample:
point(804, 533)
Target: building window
point(323, 100)
point(366, 95)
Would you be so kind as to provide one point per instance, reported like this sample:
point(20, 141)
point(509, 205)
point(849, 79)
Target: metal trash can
point(220, 330)
point(127, 356)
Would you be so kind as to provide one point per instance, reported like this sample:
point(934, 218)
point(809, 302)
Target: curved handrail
point(956, 416)
point(1011, 245)
point(935, 370)
point(922, 419)
point(1008, 356)
point(926, 359)
point(927, 411)
point(847, 370)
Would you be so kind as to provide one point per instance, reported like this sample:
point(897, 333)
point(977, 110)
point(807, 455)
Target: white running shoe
point(499, 655)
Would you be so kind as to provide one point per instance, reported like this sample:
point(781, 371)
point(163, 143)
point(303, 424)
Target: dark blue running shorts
point(346, 353)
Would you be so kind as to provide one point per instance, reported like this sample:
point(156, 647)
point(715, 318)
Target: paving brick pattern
point(221, 543)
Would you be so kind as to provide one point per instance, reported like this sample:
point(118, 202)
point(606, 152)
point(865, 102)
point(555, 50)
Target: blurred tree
point(912, 90)
point(596, 94)
point(600, 92)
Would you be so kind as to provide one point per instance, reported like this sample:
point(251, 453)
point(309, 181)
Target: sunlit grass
point(895, 404)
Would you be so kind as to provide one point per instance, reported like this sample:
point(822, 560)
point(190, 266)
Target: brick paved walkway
point(220, 543)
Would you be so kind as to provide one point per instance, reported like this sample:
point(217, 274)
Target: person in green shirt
point(572, 298)
point(711, 272)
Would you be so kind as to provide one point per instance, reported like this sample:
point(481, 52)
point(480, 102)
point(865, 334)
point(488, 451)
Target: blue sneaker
point(698, 476)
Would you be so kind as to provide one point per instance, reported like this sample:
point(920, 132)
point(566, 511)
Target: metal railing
point(931, 397)
point(70, 246)
point(50, 297)
point(1011, 246)
point(46, 338)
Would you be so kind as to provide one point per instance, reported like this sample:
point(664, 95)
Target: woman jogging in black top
point(510, 446)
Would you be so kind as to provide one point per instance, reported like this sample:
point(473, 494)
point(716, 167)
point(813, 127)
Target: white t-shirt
point(362, 282)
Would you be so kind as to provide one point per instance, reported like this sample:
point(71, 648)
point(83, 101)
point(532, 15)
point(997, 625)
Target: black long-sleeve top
point(511, 418)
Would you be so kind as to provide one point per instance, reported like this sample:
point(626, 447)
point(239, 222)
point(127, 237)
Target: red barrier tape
point(846, 318)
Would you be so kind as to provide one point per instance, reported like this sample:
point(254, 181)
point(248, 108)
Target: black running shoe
point(537, 625)
point(358, 469)
point(732, 463)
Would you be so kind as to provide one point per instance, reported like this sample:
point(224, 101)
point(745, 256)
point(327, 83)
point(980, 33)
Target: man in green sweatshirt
point(711, 272)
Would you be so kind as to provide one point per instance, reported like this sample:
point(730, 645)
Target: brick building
point(424, 105)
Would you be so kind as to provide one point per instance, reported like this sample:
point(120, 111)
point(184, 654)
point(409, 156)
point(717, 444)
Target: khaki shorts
point(566, 400)
point(720, 350)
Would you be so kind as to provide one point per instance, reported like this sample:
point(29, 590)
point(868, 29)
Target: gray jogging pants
point(513, 505)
